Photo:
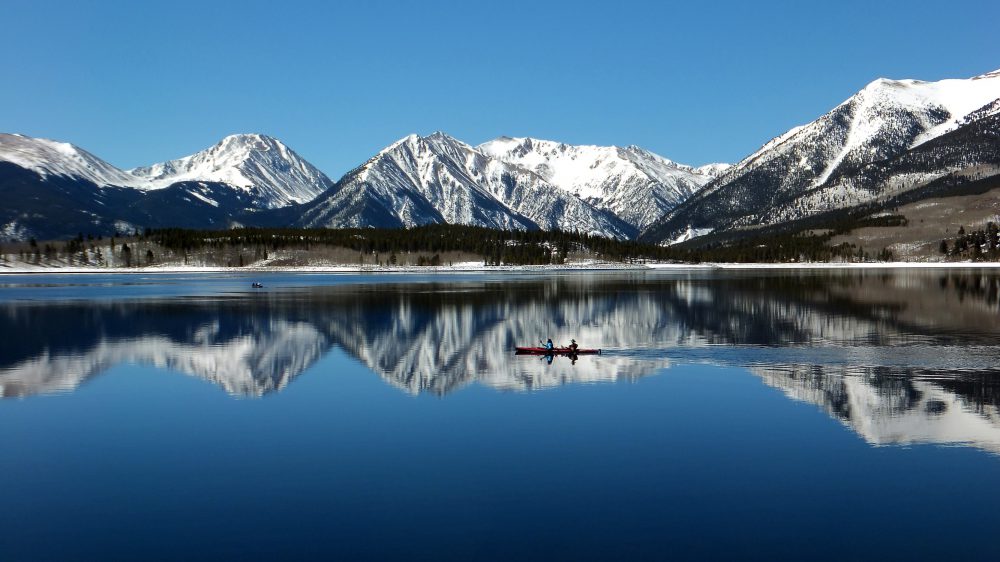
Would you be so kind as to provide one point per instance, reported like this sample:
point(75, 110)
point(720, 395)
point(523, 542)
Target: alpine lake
point(732, 414)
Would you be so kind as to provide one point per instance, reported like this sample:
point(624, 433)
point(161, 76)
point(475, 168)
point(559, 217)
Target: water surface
point(822, 414)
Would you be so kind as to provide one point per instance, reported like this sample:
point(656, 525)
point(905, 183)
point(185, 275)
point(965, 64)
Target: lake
point(759, 414)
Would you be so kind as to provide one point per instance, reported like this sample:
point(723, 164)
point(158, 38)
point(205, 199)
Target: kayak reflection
point(571, 353)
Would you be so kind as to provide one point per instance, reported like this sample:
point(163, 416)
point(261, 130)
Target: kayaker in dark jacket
point(573, 347)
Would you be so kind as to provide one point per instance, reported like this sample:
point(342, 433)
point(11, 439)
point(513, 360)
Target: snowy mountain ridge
point(934, 108)
point(415, 180)
point(437, 178)
point(713, 170)
point(519, 183)
point(258, 164)
point(631, 182)
point(261, 166)
point(53, 158)
point(957, 97)
point(884, 120)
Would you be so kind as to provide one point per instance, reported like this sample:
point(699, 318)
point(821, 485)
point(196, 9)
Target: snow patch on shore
point(478, 267)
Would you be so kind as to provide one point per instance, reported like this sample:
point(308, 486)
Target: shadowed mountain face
point(899, 357)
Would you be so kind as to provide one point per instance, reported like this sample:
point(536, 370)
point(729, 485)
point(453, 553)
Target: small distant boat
point(257, 285)
point(554, 351)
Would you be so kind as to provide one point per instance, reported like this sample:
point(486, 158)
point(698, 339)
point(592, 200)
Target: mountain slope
point(262, 166)
point(56, 190)
point(963, 155)
point(58, 206)
point(633, 183)
point(421, 180)
point(885, 119)
point(55, 205)
point(49, 158)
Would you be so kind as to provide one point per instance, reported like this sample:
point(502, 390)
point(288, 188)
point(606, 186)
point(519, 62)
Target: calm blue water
point(807, 415)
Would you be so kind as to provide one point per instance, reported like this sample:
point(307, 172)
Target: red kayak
point(554, 351)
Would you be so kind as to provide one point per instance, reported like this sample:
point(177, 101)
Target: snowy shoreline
point(476, 267)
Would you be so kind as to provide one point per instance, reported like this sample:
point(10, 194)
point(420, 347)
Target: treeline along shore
point(431, 245)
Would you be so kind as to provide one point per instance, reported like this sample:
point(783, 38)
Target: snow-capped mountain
point(273, 174)
point(420, 180)
point(884, 120)
point(631, 182)
point(52, 158)
point(945, 165)
point(54, 190)
point(261, 166)
point(894, 138)
point(713, 170)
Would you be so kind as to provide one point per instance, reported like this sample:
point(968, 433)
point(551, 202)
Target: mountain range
point(420, 180)
point(895, 141)
point(56, 189)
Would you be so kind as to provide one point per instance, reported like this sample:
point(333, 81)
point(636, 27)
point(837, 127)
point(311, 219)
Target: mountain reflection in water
point(900, 357)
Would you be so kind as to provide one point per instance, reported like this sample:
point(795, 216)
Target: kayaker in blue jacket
point(548, 345)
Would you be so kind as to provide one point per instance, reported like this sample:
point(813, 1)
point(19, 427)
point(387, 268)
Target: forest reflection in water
point(899, 356)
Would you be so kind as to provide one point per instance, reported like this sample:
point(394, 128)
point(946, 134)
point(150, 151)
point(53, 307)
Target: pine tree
point(127, 255)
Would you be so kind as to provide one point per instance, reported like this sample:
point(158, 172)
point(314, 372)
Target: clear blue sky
point(141, 82)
